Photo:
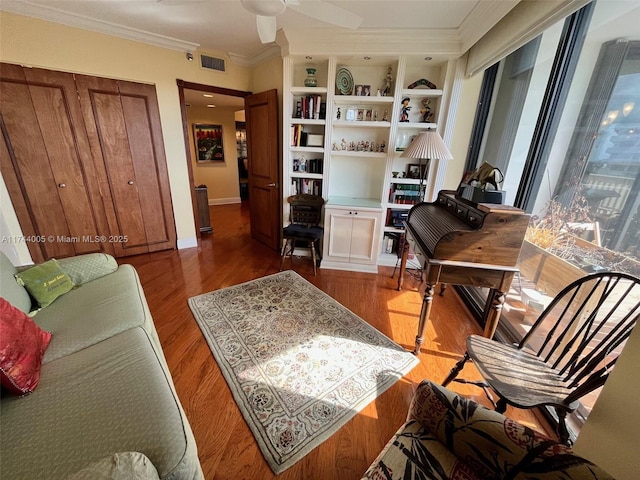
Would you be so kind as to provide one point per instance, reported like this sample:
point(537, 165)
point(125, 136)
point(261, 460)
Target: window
point(563, 125)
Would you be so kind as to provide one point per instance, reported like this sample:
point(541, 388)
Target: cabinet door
point(123, 127)
point(363, 238)
point(46, 164)
point(339, 227)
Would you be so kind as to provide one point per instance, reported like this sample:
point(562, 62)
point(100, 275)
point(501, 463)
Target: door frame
point(182, 86)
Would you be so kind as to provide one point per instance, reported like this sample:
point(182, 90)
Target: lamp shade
point(428, 144)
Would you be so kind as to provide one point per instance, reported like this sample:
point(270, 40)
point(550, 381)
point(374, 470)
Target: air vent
point(212, 63)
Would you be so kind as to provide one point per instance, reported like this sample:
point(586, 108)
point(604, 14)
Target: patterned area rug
point(299, 364)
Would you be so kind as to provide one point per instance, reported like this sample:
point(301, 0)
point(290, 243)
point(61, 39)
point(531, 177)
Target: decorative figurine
point(404, 114)
point(423, 82)
point(343, 144)
point(386, 89)
point(426, 110)
point(385, 116)
point(338, 114)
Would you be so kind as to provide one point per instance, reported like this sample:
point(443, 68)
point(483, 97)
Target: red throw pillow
point(22, 345)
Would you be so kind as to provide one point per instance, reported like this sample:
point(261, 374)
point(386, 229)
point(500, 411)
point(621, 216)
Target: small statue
point(386, 89)
point(334, 146)
point(404, 114)
point(385, 116)
point(338, 114)
point(426, 110)
point(343, 144)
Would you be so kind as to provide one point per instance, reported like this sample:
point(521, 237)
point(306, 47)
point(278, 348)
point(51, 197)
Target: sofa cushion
point(120, 466)
point(112, 397)
point(22, 345)
point(45, 282)
point(85, 268)
point(95, 311)
point(15, 294)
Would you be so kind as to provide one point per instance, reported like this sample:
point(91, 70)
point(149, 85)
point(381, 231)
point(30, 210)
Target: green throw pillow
point(45, 282)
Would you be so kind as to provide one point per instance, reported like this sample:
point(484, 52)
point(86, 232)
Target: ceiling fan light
point(266, 8)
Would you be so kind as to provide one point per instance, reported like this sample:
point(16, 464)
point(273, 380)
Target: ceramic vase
point(311, 80)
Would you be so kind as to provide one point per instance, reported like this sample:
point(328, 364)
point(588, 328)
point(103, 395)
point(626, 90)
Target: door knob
point(62, 185)
point(130, 182)
point(272, 185)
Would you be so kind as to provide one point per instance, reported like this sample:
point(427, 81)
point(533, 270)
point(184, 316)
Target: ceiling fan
point(266, 12)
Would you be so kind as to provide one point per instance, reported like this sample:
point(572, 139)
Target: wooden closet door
point(123, 126)
point(46, 164)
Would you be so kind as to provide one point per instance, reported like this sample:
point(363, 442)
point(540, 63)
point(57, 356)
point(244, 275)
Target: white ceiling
point(196, 98)
point(225, 26)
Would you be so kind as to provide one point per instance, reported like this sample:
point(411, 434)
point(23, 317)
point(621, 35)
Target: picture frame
point(363, 91)
point(360, 114)
point(368, 114)
point(417, 171)
point(208, 142)
point(351, 114)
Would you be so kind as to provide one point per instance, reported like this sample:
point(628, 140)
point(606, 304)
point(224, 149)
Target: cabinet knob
point(130, 182)
point(62, 185)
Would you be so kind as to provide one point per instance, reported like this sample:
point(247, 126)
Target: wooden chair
point(568, 352)
point(305, 216)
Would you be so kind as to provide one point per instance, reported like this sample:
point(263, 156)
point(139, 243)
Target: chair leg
point(312, 244)
point(456, 369)
point(563, 432)
point(284, 253)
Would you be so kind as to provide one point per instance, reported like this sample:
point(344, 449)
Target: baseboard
point(351, 267)
point(187, 243)
point(224, 201)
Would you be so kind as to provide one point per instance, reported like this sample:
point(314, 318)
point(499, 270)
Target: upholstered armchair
point(449, 437)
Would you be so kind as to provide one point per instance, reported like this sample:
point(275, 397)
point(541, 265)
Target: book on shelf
point(405, 194)
point(311, 107)
point(396, 218)
point(306, 185)
point(298, 136)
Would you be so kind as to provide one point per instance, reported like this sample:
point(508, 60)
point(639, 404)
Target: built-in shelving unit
point(358, 141)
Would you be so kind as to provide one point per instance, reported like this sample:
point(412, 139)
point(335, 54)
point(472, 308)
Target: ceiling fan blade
point(266, 28)
point(326, 12)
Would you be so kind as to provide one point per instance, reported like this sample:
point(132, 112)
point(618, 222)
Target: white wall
point(43, 44)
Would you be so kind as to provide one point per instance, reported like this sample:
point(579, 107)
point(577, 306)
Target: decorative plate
point(344, 81)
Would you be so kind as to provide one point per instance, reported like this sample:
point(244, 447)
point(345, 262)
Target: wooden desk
point(464, 243)
point(497, 278)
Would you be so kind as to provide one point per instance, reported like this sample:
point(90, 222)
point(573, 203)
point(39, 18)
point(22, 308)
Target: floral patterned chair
point(450, 437)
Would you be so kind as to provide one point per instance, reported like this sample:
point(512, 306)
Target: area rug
point(299, 364)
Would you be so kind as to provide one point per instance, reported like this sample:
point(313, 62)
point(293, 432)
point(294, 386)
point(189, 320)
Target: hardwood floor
point(229, 256)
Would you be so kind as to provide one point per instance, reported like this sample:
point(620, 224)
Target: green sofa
point(105, 388)
point(450, 437)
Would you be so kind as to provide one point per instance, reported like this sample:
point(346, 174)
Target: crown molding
point(55, 15)
point(327, 41)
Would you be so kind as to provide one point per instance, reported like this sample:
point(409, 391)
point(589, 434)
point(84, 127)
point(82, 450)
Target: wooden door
point(261, 112)
point(123, 126)
point(46, 164)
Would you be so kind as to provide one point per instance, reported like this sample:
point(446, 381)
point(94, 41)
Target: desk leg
point(425, 311)
point(495, 309)
point(403, 263)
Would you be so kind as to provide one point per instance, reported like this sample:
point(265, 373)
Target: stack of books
point(405, 194)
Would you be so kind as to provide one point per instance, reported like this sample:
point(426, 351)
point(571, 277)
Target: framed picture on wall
point(208, 140)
